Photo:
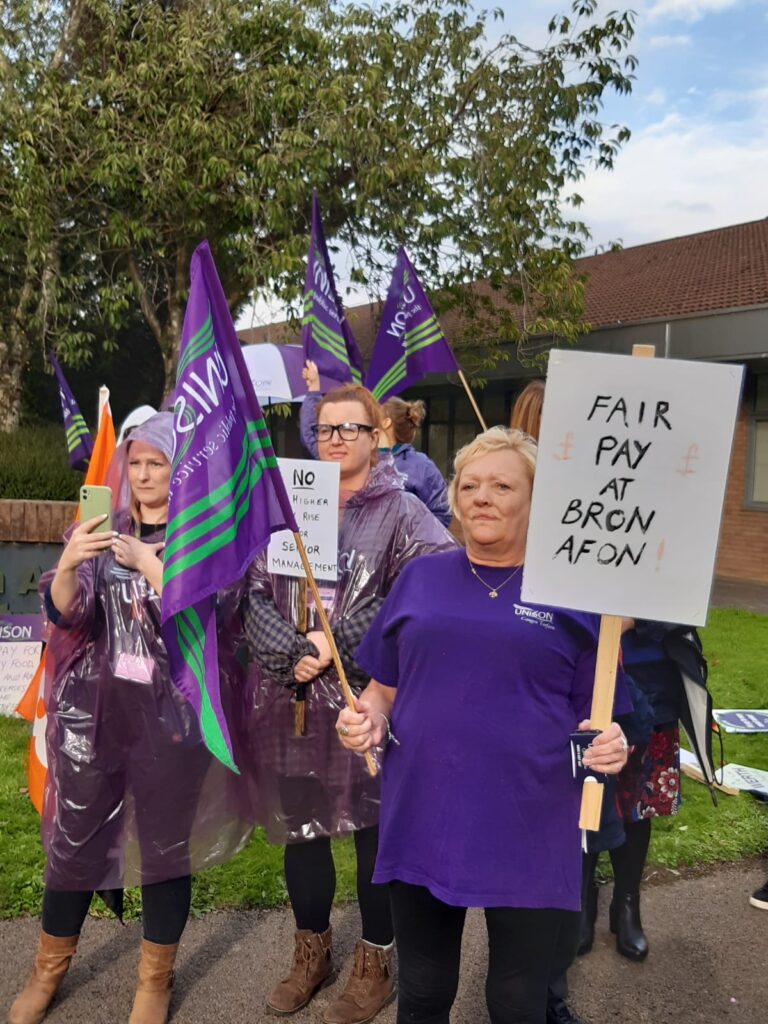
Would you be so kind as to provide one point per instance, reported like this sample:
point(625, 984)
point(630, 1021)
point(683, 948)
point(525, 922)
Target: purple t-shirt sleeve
point(584, 682)
point(378, 653)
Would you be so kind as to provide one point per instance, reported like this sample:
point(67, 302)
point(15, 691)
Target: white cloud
point(657, 97)
point(688, 10)
point(677, 178)
point(668, 42)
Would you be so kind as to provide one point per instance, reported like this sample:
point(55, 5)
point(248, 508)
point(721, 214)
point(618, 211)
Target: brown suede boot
point(50, 966)
point(371, 987)
point(312, 970)
point(153, 991)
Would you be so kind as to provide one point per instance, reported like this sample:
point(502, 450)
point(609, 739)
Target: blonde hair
point(526, 412)
point(497, 439)
point(406, 417)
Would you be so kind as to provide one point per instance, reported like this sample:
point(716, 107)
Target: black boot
point(627, 927)
point(588, 917)
point(559, 1012)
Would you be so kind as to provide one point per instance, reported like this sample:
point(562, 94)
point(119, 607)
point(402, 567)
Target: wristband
point(390, 735)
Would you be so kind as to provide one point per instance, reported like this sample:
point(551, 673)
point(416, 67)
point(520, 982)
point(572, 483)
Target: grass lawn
point(735, 644)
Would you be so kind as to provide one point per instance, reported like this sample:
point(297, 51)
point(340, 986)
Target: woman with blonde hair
point(479, 806)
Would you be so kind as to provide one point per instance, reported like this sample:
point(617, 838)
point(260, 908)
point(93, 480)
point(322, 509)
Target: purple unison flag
point(410, 343)
point(325, 334)
point(79, 441)
point(227, 496)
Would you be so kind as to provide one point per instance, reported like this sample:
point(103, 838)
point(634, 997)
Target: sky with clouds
point(698, 113)
point(698, 156)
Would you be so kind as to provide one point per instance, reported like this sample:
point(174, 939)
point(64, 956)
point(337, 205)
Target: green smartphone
point(96, 501)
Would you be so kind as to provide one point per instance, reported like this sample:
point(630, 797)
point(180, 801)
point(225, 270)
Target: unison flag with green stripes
point(410, 343)
point(79, 441)
point(226, 495)
point(325, 334)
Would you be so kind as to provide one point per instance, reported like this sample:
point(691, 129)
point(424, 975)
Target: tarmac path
point(708, 963)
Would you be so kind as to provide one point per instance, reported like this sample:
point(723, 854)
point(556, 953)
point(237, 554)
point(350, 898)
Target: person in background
point(479, 805)
point(133, 796)
point(526, 412)
point(400, 422)
point(309, 787)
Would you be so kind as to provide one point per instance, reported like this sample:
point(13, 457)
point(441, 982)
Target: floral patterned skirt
point(649, 784)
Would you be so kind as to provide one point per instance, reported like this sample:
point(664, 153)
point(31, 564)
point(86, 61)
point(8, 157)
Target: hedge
point(34, 466)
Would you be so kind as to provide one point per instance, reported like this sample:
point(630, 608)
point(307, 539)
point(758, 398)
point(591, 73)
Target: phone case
point(96, 501)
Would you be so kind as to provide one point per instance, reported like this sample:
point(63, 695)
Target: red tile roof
point(713, 270)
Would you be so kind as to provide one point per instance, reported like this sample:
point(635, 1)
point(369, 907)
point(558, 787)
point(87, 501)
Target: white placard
point(630, 479)
point(313, 488)
point(18, 663)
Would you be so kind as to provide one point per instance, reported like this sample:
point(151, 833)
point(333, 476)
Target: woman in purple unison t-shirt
point(479, 807)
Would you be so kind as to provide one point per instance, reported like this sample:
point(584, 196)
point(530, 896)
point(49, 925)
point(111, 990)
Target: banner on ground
point(326, 336)
point(410, 342)
point(631, 473)
point(741, 720)
point(226, 495)
point(20, 646)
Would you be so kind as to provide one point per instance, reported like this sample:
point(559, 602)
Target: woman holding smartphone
point(131, 789)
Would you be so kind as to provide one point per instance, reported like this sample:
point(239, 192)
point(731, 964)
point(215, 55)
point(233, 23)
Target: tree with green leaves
point(136, 129)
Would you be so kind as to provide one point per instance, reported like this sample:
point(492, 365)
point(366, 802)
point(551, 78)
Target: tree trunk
point(10, 383)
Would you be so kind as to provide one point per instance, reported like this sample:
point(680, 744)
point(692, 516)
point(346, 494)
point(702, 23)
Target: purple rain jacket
point(132, 795)
point(422, 477)
point(309, 785)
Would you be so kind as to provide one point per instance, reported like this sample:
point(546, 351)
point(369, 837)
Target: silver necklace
point(492, 591)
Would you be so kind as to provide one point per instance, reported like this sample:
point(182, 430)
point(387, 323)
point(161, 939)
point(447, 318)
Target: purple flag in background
point(79, 441)
point(226, 498)
point(325, 334)
point(410, 343)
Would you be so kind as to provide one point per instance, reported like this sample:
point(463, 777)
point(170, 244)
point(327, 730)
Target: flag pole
point(471, 398)
point(346, 689)
point(601, 713)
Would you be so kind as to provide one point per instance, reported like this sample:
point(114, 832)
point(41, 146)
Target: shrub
point(34, 466)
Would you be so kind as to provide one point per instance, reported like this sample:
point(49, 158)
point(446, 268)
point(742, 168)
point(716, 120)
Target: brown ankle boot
point(153, 991)
point(371, 987)
point(312, 970)
point(50, 966)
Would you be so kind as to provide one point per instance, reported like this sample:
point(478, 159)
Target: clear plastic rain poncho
point(132, 795)
point(307, 785)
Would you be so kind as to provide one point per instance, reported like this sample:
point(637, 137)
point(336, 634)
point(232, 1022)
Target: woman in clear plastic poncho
point(309, 788)
point(132, 795)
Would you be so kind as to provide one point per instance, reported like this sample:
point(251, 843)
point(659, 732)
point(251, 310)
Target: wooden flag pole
point(346, 689)
point(471, 398)
point(605, 684)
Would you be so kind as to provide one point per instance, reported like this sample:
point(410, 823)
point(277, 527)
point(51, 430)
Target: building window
point(451, 422)
point(757, 468)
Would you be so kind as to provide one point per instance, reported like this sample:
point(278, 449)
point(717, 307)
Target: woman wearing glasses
point(309, 787)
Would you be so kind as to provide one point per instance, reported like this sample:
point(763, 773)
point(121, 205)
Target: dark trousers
point(310, 877)
point(523, 947)
point(164, 910)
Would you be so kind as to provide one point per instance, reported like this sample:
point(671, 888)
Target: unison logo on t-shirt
point(536, 616)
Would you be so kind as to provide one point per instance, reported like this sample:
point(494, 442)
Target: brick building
point(702, 296)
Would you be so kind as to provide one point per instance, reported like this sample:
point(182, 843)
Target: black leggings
point(164, 910)
point(523, 946)
point(310, 877)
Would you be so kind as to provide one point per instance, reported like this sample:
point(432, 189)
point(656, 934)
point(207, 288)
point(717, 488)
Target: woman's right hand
point(311, 376)
point(84, 544)
point(361, 728)
point(308, 668)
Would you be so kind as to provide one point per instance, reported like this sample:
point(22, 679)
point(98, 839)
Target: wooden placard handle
point(605, 682)
point(346, 689)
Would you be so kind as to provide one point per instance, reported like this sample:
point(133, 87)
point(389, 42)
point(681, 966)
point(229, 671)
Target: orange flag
point(32, 704)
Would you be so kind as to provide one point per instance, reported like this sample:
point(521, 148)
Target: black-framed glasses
point(347, 431)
